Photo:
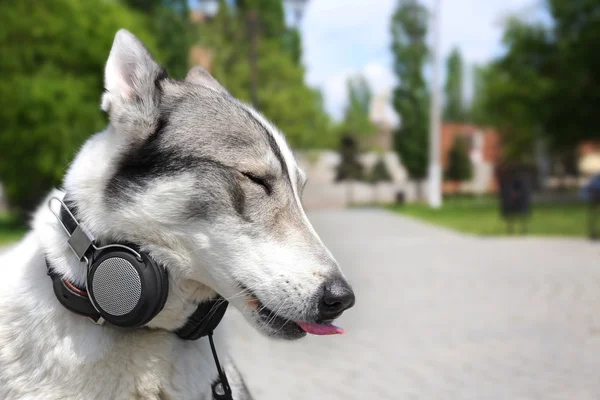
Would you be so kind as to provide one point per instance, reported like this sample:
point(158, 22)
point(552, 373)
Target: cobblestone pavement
point(441, 316)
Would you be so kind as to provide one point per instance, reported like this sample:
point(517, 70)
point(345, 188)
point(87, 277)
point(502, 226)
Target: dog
point(209, 189)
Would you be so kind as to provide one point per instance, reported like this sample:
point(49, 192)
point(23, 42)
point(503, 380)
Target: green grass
point(478, 216)
point(10, 229)
point(482, 217)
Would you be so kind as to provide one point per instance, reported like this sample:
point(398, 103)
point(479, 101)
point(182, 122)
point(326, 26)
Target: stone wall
point(323, 192)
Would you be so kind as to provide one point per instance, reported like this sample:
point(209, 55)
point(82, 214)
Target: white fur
point(292, 169)
point(47, 352)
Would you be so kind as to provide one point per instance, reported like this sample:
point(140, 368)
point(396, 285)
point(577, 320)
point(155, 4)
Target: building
point(379, 114)
point(484, 149)
point(199, 55)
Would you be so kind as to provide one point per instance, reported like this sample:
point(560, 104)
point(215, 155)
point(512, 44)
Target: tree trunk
point(419, 189)
point(375, 197)
point(253, 56)
point(349, 199)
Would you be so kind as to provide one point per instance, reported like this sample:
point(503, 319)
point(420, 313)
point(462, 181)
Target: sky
point(345, 37)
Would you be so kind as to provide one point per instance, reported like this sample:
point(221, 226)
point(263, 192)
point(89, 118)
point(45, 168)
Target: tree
point(454, 110)
point(356, 119)
point(572, 61)
point(172, 28)
point(410, 97)
point(349, 169)
point(379, 173)
point(53, 56)
point(293, 45)
point(546, 84)
point(459, 167)
point(285, 99)
point(271, 17)
point(224, 34)
point(478, 112)
point(266, 69)
point(516, 89)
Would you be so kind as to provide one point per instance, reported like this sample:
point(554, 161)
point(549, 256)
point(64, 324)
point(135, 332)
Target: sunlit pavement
point(441, 316)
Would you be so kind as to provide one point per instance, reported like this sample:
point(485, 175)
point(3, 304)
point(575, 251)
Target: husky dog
point(209, 189)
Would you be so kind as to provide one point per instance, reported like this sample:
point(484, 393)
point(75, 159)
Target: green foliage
point(356, 120)
point(271, 17)
point(454, 110)
point(289, 102)
point(546, 84)
point(410, 98)
point(171, 26)
point(459, 164)
point(379, 172)
point(281, 92)
point(293, 45)
point(349, 168)
point(53, 56)
point(224, 34)
point(480, 216)
point(572, 64)
point(478, 112)
point(513, 90)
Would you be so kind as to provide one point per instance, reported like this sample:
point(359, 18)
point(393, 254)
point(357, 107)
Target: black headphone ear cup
point(126, 291)
point(160, 291)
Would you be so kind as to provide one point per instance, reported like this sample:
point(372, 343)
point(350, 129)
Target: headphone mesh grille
point(117, 286)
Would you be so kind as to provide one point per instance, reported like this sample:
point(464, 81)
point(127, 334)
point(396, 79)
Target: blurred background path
point(440, 315)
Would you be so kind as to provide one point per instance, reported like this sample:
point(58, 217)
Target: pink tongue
point(320, 329)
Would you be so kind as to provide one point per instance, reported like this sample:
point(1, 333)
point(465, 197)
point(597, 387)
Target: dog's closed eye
point(257, 180)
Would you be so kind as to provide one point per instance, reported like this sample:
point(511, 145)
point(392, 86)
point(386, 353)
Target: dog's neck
point(184, 295)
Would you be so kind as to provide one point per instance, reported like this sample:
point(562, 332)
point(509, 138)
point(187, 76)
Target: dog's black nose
point(337, 297)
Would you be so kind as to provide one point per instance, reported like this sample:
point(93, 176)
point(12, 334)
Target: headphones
point(127, 288)
point(125, 285)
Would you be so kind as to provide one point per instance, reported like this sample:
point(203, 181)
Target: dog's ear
point(131, 80)
point(200, 76)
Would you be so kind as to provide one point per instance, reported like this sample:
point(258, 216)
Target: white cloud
point(380, 77)
point(343, 37)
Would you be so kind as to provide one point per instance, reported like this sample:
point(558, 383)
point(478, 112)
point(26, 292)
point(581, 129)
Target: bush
point(53, 56)
point(459, 164)
point(349, 168)
point(379, 172)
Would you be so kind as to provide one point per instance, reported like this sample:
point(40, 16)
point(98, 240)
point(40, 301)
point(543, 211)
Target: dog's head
point(210, 188)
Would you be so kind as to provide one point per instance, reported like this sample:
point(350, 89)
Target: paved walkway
point(442, 316)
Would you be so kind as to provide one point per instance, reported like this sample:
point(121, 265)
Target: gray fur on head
point(204, 183)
